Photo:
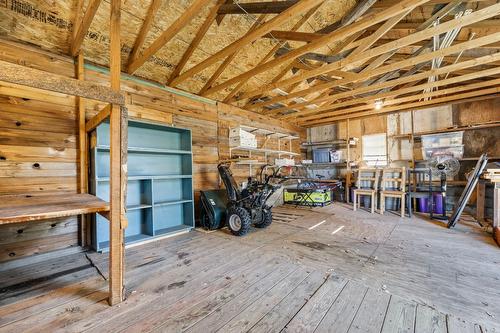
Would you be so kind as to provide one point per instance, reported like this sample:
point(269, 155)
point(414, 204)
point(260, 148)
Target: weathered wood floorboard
point(288, 278)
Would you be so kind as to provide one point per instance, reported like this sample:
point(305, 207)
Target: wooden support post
point(480, 196)
point(348, 166)
point(496, 212)
point(83, 226)
point(118, 165)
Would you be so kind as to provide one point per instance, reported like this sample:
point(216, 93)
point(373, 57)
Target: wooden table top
point(26, 208)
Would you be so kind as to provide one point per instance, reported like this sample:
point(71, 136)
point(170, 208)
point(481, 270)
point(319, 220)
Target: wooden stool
point(393, 185)
point(367, 184)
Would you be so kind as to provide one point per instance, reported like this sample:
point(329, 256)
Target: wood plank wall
point(38, 142)
point(476, 141)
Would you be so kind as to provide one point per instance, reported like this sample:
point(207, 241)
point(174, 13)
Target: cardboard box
point(238, 132)
point(242, 142)
point(284, 161)
point(335, 156)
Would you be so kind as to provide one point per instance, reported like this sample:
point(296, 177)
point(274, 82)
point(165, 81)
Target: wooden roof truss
point(368, 64)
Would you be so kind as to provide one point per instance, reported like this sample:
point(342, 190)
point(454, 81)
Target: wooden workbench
point(27, 208)
point(492, 175)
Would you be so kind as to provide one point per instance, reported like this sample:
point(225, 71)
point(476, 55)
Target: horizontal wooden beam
point(493, 24)
point(336, 35)
point(483, 93)
point(393, 83)
point(98, 118)
point(293, 35)
point(272, 7)
point(412, 61)
point(35, 78)
point(272, 52)
point(276, 21)
point(387, 101)
point(387, 3)
point(482, 14)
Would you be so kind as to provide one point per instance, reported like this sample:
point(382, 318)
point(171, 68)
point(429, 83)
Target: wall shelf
point(160, 184)
point(265, 150)
point(149, 150)
point(261, 131)
point(106, 179)
point(174, 202)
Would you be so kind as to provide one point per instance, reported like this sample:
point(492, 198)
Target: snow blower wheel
point(238, 221)
point(266, 218)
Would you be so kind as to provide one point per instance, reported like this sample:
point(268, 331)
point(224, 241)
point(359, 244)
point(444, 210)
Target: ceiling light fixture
point(378, 104)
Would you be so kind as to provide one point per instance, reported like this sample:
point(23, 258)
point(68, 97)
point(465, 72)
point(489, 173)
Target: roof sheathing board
point(48, 24)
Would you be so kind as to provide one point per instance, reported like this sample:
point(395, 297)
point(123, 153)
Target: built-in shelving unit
point(160, 185)
point(267, 152)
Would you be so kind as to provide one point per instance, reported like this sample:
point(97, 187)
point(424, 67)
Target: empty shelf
point(25, 208)
point(265, 150)
point(168, 203)
point(135, 207)
point(106, 179)
point(150, 150)
point(168, 230)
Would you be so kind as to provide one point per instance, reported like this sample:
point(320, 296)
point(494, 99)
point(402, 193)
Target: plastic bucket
point(423, 205)
point(437, 201)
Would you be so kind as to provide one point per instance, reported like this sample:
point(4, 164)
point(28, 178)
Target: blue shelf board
point(149, 150)
point(168, 203)
point(106, 179)
point(169, 230)
point(136, 207)
point(104, 246)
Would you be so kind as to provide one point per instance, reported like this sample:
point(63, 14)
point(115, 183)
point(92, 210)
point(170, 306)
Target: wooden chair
point(366, 184)
point(393, 185)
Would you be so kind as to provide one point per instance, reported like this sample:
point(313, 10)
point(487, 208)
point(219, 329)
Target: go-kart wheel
point(238, 221)
point(267, 219)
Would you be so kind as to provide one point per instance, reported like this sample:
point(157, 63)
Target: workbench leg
point(374, 203)
point(382, 204)
point(480, 198)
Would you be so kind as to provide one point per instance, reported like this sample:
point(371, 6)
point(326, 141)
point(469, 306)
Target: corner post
point(118, 165)
point(83, 232)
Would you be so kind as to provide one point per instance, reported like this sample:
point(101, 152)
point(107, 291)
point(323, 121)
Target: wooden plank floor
point(324, 270)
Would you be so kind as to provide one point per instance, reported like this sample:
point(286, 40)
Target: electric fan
point(444, 164)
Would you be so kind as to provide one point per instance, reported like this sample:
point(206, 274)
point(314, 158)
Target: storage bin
point(443, 140)
point(321, 155)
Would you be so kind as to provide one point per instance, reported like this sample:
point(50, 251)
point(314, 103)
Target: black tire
point(238, 221)
point(267, 219)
